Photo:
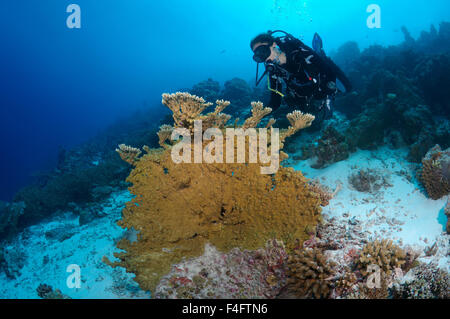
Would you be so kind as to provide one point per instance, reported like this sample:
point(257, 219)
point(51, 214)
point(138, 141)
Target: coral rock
point(435, 172)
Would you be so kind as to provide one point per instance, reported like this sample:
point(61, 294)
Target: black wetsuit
point(309, 76)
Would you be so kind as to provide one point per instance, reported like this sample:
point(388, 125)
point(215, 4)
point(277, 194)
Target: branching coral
point(362, 291)
point(179, 208)
point(435, 172)
point(128, 154)
point(426, 281)
point(187, 108)
point(258, 112)
point(298, 121)
point(384, 254)
point(324, 192)
point(310, 274)
point(345, 283)
point(164, 133)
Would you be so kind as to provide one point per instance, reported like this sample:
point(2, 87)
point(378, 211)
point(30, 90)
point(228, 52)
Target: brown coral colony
point(178, 208)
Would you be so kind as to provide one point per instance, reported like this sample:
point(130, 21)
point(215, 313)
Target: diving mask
point(261, 53)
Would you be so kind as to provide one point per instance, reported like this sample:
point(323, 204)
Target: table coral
point(178, 208)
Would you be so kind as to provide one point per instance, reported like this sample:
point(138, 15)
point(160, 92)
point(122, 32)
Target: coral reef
point(60, 233)
point(362, 291)
point(432, 75)
point(309, 274)
point(367, 180)
point(45, 291)
point(78, 185)
point(447, 213)
point(435, 172)
point(253, 274)
point(187, 108)
point(9, 219)
point(128, 154)
point(324, 192)
point(385, 254)
point(209, 90)
point(12, 259)
point(330, 148)
point(426, 281)
point(84, 169)
point(239, 93)
point(164, 133)
point(345, 283)
point(366, 131)
point(346, 55)
point(398, 89)
point(179, 208)
point(398, 97)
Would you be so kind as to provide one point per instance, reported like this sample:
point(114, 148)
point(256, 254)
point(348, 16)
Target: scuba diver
point(308, 74)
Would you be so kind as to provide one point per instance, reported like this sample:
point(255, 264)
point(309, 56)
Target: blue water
point(60, 86)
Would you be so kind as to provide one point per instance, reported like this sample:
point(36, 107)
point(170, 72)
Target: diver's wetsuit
point(309, 76)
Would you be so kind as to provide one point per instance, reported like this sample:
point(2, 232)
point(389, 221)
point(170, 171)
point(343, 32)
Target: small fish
point(223, 51)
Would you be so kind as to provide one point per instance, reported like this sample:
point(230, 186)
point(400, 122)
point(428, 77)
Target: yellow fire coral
point(178, 208)
point(385, 254)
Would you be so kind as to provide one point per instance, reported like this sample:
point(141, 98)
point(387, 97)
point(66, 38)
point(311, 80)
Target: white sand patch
point(400, 212)
point(46, 260)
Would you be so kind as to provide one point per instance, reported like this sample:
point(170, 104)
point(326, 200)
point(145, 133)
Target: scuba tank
point(342, 82)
